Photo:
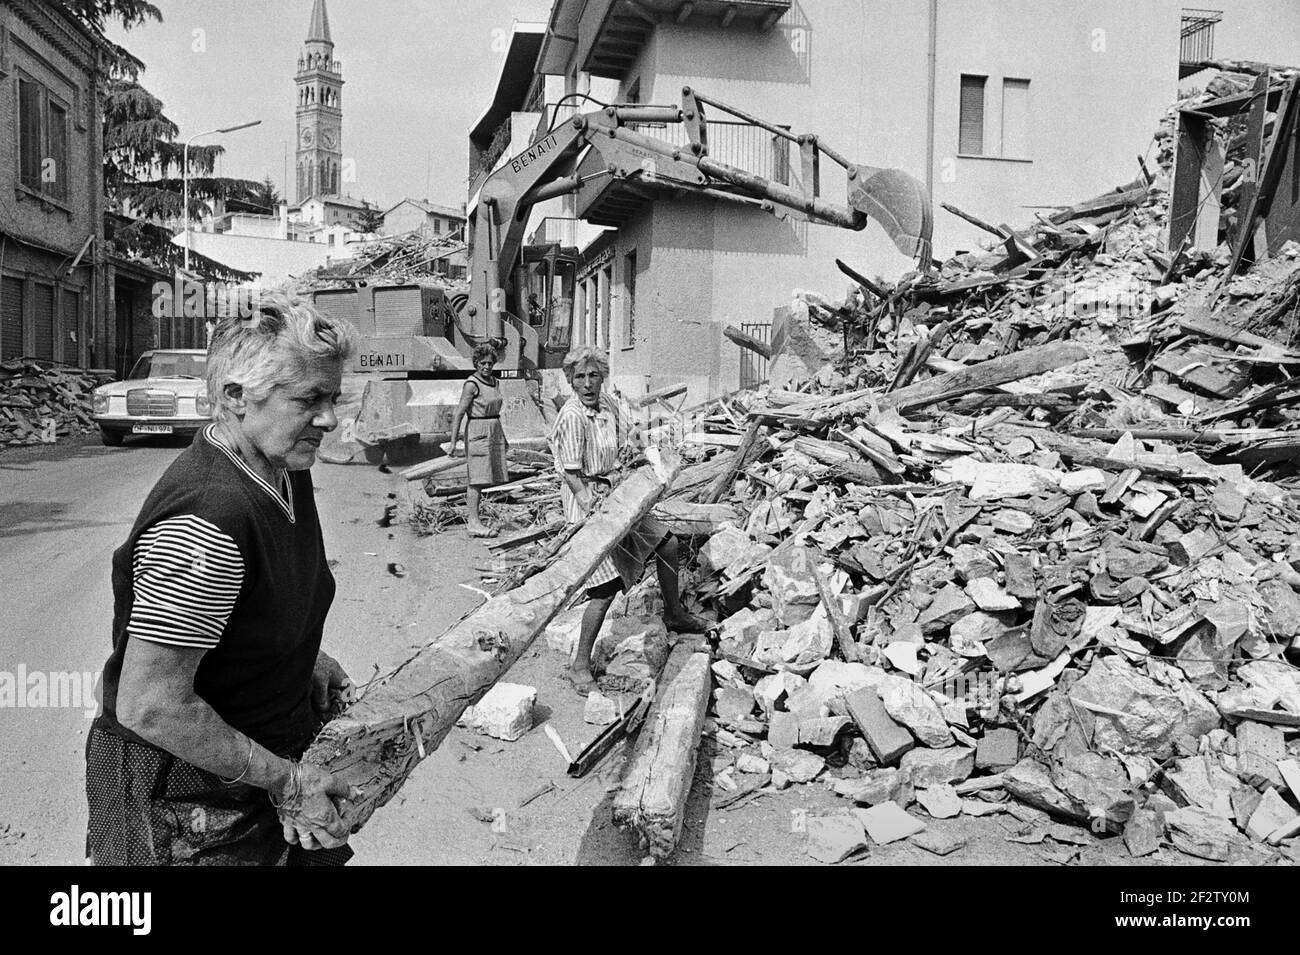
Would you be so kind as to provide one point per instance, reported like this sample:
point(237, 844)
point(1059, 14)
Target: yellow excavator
point(522, 296)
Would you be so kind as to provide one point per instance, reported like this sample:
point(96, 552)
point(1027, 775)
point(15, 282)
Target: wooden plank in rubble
point(378, 742)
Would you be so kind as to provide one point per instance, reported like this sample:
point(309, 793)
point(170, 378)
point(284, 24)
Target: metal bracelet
point(293, 791)
point(248, 764)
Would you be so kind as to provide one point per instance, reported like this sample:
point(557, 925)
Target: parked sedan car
point(165, 393)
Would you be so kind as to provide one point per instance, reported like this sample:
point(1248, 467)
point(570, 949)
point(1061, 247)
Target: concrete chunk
point(908, 704)
point(934, 767)
point(1201, 833)
point(834, 838)
point(1259, 747)
point(1142, 833)
point(875, 787)
point(505, 711)
point(941, 802)
point(888, 822)
point(1272, 812)
point(989, 597)
point(950, 605)
point(998, 749)
point(888, 739)
point(599, 710)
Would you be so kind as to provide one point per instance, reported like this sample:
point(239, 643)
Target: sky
point(417, 73)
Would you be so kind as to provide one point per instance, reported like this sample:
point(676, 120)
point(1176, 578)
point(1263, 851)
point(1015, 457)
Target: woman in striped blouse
point(216, 682)
point(585, 442)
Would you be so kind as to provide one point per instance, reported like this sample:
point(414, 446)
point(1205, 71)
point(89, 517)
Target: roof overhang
point(513, 80)
point(625, 25)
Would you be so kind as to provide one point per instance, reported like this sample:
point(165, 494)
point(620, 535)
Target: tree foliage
point(143, 159)
point(370, 219)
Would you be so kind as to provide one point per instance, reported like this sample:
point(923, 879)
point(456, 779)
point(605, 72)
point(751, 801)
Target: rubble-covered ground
point(1017, 537)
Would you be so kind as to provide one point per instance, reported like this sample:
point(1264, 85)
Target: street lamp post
point(185, 176)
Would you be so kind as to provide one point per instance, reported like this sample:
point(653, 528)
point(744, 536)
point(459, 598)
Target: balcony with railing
point(1196, 39)
point(737, 144)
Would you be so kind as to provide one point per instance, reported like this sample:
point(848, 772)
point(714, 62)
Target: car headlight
point(99, 403)
point(201, 404)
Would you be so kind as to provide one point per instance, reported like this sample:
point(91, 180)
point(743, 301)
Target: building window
point(42, 140)
point(1007, 135)
point(1015, 119)
point(629, 306)
point(437, 225)
point(971, 128)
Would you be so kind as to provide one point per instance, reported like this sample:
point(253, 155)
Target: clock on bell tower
point(319, 112)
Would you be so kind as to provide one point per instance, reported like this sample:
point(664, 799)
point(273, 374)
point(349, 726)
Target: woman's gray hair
point(586, 355)
point(273, 346)
point(486, 350)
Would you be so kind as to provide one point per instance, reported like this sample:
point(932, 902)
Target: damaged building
point(933, 88)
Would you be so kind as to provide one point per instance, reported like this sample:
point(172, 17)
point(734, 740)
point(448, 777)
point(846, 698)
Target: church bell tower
point(319, 112)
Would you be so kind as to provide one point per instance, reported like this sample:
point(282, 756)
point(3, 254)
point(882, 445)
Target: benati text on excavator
point(522, 296)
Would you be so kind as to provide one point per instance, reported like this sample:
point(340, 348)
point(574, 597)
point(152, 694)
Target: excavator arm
point(547, 169)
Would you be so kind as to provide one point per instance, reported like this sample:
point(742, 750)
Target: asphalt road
point(64, 510)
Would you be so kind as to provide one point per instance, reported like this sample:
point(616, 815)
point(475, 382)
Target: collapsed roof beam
point(684, 11)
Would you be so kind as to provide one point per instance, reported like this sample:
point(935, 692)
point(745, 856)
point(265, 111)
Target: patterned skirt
point(486, 453)
point(628, 559)
point(147, 807)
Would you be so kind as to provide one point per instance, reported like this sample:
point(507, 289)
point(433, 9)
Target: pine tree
point(142, 157)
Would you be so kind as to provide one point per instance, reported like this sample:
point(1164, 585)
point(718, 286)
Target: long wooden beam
point(655, 789)
point(378, 742)
point(954, 384)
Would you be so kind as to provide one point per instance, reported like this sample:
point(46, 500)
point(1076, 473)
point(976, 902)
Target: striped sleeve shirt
point(187, 574)
point(586, 440)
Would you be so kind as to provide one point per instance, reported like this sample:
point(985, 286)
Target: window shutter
point(11, 318)
point(43, 323)
point(29, 133)
point(971, 132)
point(58, 151)
point(1015, 119)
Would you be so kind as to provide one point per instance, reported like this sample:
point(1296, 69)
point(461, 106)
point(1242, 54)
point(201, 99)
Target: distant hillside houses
point(427, 218)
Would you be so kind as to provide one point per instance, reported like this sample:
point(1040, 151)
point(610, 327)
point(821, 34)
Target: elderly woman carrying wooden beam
point(585, 442)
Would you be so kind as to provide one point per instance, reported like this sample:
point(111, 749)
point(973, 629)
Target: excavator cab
point(545, 280)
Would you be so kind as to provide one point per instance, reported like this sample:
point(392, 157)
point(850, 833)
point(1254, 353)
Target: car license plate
point(151, 429)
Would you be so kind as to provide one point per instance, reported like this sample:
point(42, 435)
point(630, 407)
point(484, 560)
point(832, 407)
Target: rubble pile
point(1055, 579)
point(1233, 80)
point(39, 405)
point(408, 257)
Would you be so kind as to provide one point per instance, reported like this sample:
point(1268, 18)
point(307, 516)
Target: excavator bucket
point(899, 203)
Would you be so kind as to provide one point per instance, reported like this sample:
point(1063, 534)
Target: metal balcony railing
point(1196, 36)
